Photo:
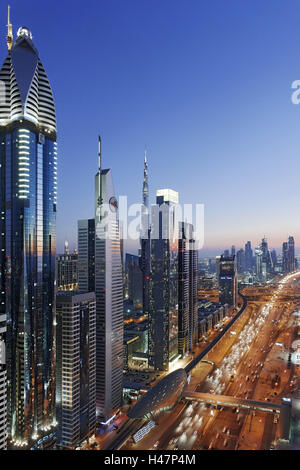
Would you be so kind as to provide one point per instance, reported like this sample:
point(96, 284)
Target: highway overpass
point(283, 409)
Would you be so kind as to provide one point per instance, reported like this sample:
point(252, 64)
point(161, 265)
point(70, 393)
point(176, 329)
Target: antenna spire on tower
point(99, 152)
point(145, 182)
point(9, 37)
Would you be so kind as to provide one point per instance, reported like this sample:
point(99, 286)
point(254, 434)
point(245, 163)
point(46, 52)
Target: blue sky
point(205, 85)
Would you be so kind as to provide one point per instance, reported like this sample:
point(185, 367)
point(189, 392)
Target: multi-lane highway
point(250, 362)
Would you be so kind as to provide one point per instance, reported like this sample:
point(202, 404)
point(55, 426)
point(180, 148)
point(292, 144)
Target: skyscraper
point(218, 258)
point(144, 258)
point(75, 367)
point(109, 296)
point(3, 401)
point(248, 257)
point(66, 270)
point(163, 314)
point(274, 258)
point(183, 292)
point(193, 289)
point(228, 280)
point(285, 258)
point(100, 271)
point(86, 255)
point(28, 171)
point(291, 254)
point(266, 257)
point(260, 266)
point(240, 260)
point(134, 281)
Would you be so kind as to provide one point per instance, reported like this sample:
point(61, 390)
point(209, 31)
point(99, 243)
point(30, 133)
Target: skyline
point(175, 325)
point(231, 123)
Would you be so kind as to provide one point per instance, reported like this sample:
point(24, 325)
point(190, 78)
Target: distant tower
point(285, 264)
point(266, 257)
point(240, 261)
point(260, 266)
point(228, 287)
point(9, 37)
point(66, 247)
point(274, 258)
point(145, 183)
point(291, 254)
point(248, 257)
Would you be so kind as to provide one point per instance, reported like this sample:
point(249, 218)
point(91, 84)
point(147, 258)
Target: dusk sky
point(204, 85)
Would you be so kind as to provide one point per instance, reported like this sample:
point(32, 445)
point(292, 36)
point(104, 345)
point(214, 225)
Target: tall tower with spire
point(9, 37)
point(28, 172)
point(109, 296)
point(144, 258)
point(145, 183)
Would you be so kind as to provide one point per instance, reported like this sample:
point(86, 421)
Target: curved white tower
point(109, 297)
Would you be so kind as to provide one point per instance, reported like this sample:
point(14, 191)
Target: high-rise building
point(248, 257)
point(66, 270)
point(134, 281)
point(28, 172)
point(260, 268)
point(163, 314)
point(187, 289)
point(285, 258)
point(109, 296)
point(145, 258)
point(266, 257)
point(218, 258)
point(100, 271)
point(228, 280)
point(183, 292)
point(240, 260)
point(75, 367)
point(291, 254)
point(232, 250)
point(3, 401)
point(193, 290)
point(86, 255)
point(274, 258)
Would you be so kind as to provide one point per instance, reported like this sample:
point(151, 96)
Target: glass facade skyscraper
point(28, 172)
point(163, 307)
point(100, 271)
point(109, 299)
point(187, 289)
point(291, 254)
point(75, 367)
point(144, 258)
point(228, 289)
